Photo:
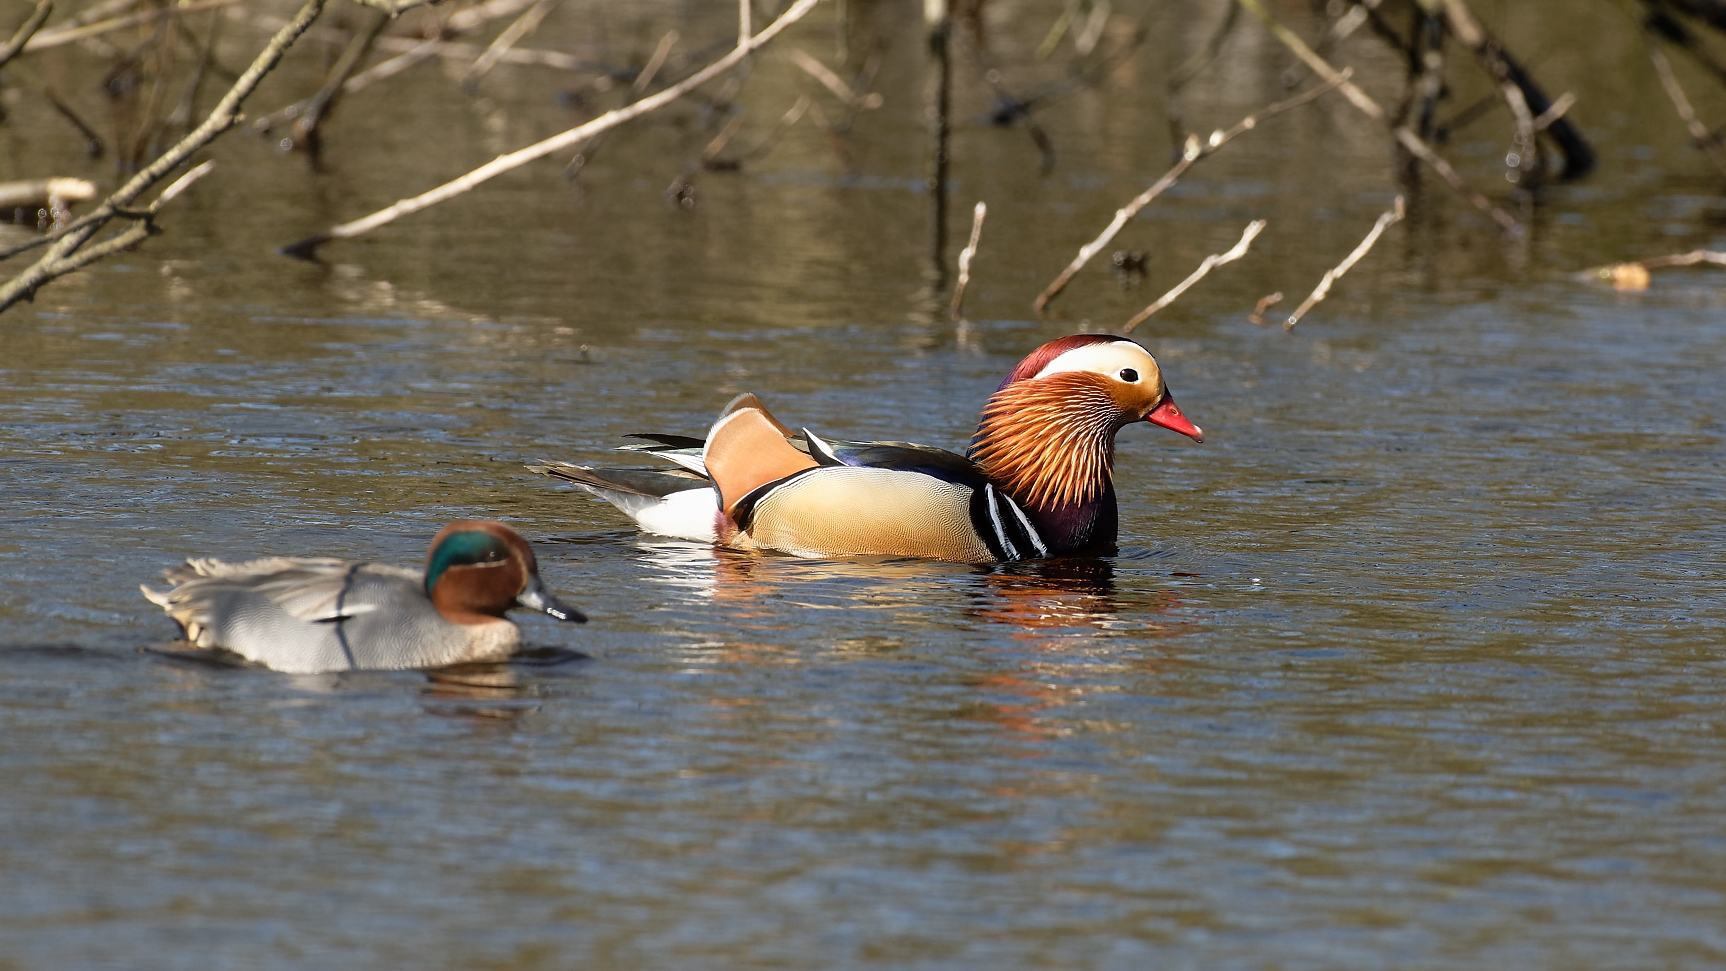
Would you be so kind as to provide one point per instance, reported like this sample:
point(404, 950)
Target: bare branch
point(556, 143)
point(1193, 151)
point(1214, 260)
point(1562, 104)
point(1699, 132)
point(31, 24)
point(394, 8)
point(1579, 157)
point(1393, 215)
point(965, 256)
point(1363, 101)
point(834, 82)
point(63, 255)
point(523, 25)
point(1258, 314)
point(66, 35)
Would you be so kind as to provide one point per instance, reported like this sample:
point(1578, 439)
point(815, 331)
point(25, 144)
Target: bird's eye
point(493, 556)
point(1129, 375)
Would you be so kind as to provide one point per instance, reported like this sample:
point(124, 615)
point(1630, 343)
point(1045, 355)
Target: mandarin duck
point(307, 616)
point(1038, 479)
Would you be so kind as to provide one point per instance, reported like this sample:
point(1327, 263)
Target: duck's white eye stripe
point(1106, 358)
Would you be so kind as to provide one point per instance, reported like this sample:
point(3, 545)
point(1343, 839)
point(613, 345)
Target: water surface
point(1416, 662)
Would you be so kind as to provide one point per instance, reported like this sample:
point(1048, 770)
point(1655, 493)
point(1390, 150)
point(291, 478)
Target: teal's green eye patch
point(464, 549)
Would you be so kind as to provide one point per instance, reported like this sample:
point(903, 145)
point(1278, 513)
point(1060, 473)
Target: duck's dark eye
point(493, 556)
point(1129, 375)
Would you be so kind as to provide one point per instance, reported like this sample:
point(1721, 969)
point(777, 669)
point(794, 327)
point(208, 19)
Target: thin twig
point(1258, 314)
point(64, 254)
point(1579, 157)
point(834, 82)
point(1363, 101)
point(1202, 57)
point(394, 7)
point(654, 63)
point(322, 104)
point(55, 38)
point(744, 25)
point(523, 25)
point(459, 23)
point(1214, 260)
point(1193, 151)
point(1392, 215)
point(965, 257)
point(28, 29)
point(556, 143)
point(1560, 105)
point(1699, 132)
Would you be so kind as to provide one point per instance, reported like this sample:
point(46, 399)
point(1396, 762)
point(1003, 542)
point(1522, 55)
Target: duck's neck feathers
point(1050, 445)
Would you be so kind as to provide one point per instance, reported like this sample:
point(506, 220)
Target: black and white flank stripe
point(1004, 527)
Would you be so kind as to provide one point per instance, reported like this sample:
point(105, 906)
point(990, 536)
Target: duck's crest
point(1039, 359)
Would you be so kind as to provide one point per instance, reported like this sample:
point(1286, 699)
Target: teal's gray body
point(317, 615)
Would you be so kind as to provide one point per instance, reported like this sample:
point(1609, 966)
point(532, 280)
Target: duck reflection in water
point(1065, 610)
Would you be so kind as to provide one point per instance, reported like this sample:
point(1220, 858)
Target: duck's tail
point(671, 503)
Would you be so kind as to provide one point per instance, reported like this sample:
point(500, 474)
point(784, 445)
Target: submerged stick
point(965, 257)
point(1392, 215)
point(64, 254)
point(1579, 157)
point(556, 143)
point(1634, 274)
point(1193, 151)
point(1214, 260)
point(1372, 109)
point(320, 106)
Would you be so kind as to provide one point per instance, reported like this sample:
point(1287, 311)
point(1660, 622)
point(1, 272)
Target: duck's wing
point(900, 456)
point(311, 591)
point(747, 449)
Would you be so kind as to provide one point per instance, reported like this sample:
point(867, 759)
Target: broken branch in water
point(1634, 274)
point(1372, 109)
point(31, 24)
point(1193, 151)
point(965, 257)
point(1214, 260)
point(1258, 314)
point(556, 143)
point(1392, 215)
point(64, 254)
point(320, 105)
point(1515, 83)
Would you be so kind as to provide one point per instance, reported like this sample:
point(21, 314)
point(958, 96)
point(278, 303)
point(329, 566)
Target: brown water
point(1417, 662)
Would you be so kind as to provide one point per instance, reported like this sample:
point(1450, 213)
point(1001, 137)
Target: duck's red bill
point(1170, 417)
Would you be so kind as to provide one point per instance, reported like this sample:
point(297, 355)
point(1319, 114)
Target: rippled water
point(1416, 662)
